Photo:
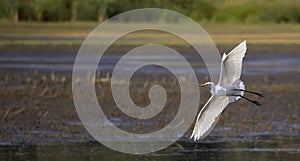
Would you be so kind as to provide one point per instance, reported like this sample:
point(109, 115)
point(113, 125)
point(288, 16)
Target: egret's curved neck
point(212, 88)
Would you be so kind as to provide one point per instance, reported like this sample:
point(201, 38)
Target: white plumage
point(229, 89)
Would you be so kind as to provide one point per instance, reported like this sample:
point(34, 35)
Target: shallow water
point(216, 149)
point(253, 65)
point(224, 143)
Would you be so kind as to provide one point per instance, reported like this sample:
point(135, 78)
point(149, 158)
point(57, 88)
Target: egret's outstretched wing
point(231, 66)
point(208, 116)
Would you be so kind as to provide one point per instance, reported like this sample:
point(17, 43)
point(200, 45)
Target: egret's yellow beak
point(202, 85)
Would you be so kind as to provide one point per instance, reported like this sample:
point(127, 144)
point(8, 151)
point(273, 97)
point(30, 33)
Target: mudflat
point(37, 104)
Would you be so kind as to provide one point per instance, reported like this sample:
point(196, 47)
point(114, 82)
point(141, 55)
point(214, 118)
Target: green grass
point(38, 28)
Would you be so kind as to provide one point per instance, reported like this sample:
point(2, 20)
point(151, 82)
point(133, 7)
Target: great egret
point(229, 89)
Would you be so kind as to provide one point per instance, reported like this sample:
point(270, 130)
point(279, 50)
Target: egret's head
point(207, 84)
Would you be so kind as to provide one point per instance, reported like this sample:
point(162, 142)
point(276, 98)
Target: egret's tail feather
point(238, 85)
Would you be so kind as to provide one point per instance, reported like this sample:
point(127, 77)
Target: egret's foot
point(260, 95)
point(257, 103)
point(252, 101)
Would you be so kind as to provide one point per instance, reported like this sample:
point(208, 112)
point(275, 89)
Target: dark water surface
point(253, 65)
point(260, 149)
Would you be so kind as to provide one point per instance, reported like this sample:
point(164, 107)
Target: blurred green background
point(68, 22)
point(216, 11)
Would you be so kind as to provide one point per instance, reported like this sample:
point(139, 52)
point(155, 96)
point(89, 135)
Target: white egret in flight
point(229, 89)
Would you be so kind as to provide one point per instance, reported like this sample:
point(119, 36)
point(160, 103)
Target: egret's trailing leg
point(253, 101)
point(256, 93)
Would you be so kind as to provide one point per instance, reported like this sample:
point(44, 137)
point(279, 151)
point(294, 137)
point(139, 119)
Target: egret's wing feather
point(211, 97)
point(232, 64)
point(222, 72)
point(208, 116)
